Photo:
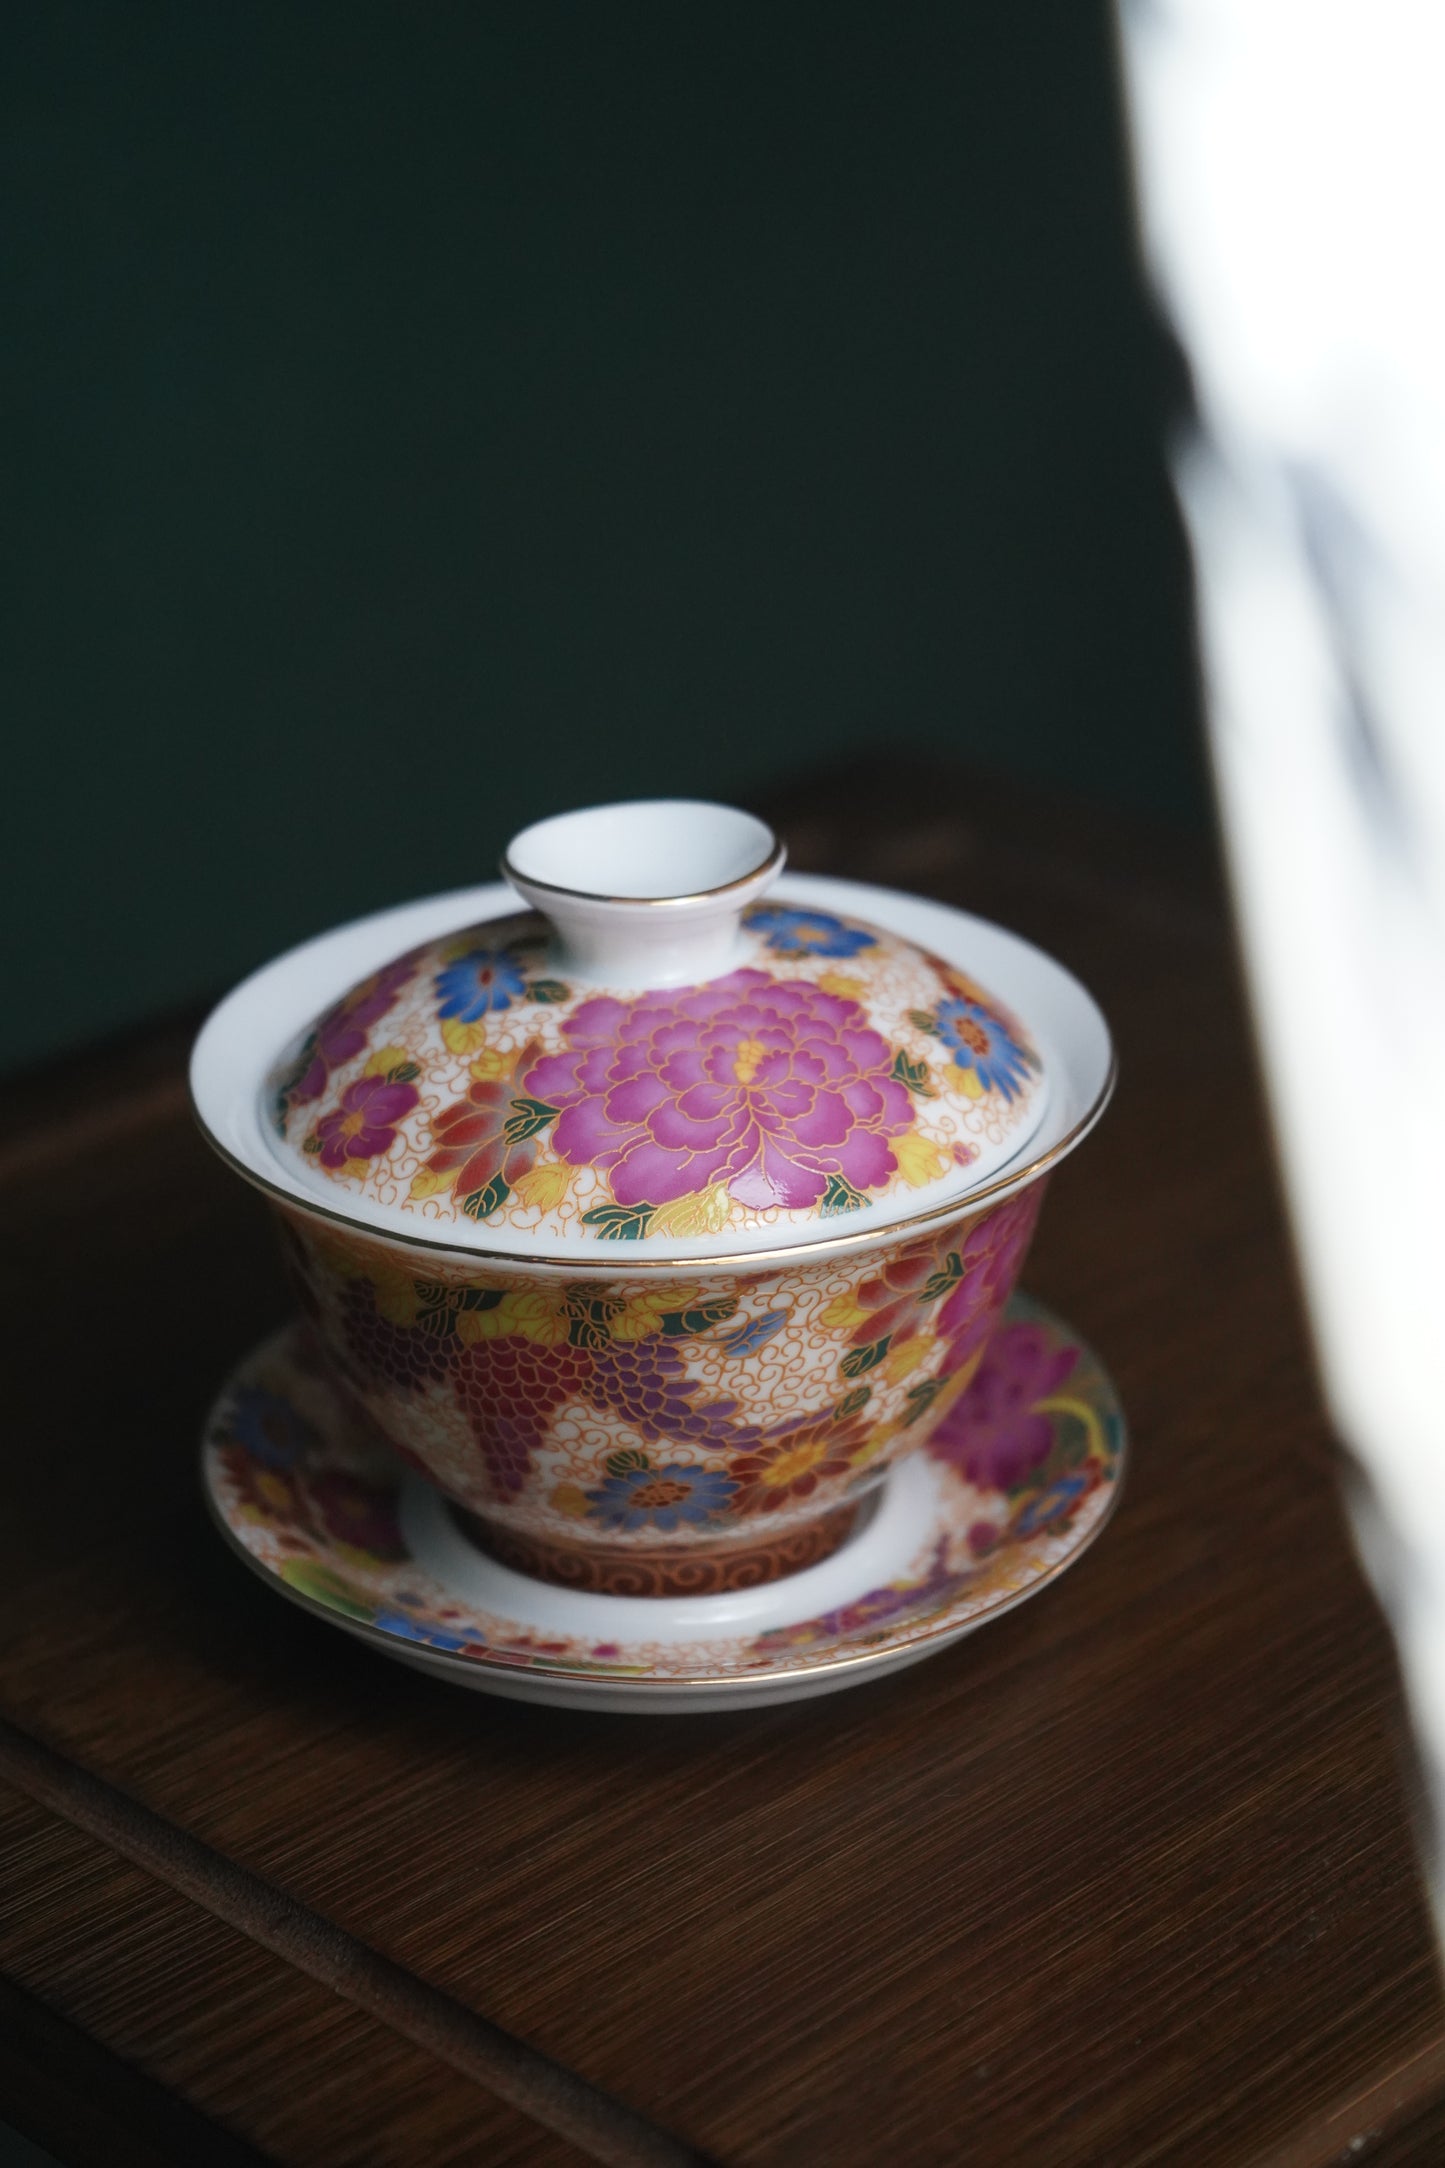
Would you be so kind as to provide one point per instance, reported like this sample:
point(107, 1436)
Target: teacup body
point(677, 1431)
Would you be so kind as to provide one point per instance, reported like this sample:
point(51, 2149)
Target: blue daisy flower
point(479, 982)
point(1054, 1504)
point(978, 1041)
point(663, 1498)
point(269, 1428)
point(419, 1629)
point(808, 933)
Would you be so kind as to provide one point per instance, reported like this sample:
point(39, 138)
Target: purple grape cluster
point(646, 1383)
point(508, 1389)
point(405, 1356)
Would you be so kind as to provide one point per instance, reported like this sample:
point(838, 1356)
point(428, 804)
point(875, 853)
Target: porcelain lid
point(653, 1054)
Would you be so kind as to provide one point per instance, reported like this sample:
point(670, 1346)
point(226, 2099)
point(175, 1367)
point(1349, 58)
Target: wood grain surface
point(1126, 1878)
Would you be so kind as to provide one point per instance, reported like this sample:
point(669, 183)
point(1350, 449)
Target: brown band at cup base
point(678, 1572)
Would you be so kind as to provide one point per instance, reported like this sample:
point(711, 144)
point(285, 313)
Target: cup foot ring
point(682, 1571)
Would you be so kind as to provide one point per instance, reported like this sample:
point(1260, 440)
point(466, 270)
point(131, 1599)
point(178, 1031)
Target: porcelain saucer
point(1016, 1482)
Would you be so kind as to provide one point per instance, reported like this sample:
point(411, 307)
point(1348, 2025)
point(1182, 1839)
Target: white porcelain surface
point(648, 893)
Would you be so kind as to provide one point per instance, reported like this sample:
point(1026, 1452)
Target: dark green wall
point(424, 417)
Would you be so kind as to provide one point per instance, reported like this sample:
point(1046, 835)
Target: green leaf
point(312, 1144)
point(586, 1332)
point(328, 1588)
point(403, 1073)
point(624, 1462)
point(620, 1222)
point(948, 1275)
point(480, 1298)
point(852, 1402)
point(549, 990)
point(914, 1074)
point(920, 1399)
point(482, 1203)
point(924, 1020)
point(679, 1323)
point(600, 1308)
point(437, 1308)
point(840, 1196)
point(863, 1359)
point(527, 1119)
point(589, 1318)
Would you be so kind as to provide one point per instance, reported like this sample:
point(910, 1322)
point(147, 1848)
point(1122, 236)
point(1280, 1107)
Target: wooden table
point(1125, 1878)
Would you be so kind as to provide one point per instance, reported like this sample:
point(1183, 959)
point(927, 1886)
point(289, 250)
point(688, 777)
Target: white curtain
point(1290, 157)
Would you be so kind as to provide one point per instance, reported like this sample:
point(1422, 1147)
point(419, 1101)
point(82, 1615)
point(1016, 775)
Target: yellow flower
point(490, 1064)
point(571, 1499)
point(903, 1360)
point(641, 1315)
point(873, 1445)
point(919, 1159)
point(843, 1314)
point(385, 1058)
point(543, 1186)
point(965, 1081)
point(838, 982)
point(464, 1038)
point(795, 1462)
point(427, 1184)
point(530, 1316)
point(701, 1212)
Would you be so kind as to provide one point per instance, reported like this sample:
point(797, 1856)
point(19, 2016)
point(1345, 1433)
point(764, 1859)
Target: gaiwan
point(654, 1204)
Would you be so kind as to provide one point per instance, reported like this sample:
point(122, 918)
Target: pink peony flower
point(771, 1087)
point(992, 1257)
point(994, 1431)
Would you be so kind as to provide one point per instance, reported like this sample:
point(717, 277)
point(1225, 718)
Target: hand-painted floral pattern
point(519, 1397)
point(792, 1461)
point(990, 1258)
point(262, 1492)
point(483, 980)
point(356, 1514)
point(1048, 1508)
point(982, 1048)
point(340, 1035)
point(944, 1294)
point(770, 1090)
point(269, 1428)
point(349, 1557)
point(807, 933)
point(364, 1121)
point(484, 1144)
point(667, 1499)
point(1000, 1429)
point(840, 1068)
point(429, 1632)
point(514, 1361)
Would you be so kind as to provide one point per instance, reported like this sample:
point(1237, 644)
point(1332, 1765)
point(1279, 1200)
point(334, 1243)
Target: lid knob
point(645, 894)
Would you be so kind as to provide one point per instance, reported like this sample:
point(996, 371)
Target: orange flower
point(789, 1463)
